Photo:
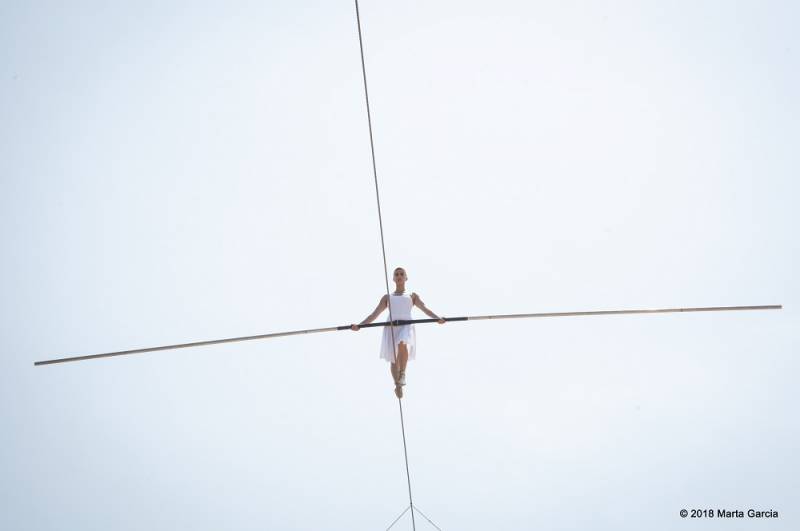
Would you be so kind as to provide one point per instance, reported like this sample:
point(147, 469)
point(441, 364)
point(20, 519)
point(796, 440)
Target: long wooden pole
point(399, 322)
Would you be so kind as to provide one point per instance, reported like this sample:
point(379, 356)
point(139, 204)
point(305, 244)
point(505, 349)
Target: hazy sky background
point(178, 171)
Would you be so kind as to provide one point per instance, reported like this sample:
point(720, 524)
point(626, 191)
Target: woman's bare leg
point(393, 370)
point(402, 360)
point(402, 356)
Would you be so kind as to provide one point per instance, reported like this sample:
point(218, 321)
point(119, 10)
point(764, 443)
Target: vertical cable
point(383, 250)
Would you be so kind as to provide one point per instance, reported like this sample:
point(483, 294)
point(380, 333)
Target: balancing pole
point(404, 322)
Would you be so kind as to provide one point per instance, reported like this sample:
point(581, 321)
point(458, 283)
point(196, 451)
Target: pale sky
point(179, 171)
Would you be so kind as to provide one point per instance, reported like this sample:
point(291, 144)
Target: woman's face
point(400, 275)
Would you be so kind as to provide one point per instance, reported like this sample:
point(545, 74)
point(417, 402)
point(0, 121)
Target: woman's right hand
point(354, 327)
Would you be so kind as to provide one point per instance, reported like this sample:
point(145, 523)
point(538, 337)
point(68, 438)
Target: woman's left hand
point(441, 320)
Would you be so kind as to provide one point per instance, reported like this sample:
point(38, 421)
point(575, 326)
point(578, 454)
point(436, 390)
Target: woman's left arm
point(421, 305)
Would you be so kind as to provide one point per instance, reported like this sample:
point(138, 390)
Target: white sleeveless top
point(401, 310)
point(401, 306)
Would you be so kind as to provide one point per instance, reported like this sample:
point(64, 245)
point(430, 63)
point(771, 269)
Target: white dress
point(401, 310)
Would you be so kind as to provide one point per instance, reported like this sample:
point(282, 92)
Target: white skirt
point(402, 333)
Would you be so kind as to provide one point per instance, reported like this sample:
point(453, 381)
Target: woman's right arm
point(371, 317)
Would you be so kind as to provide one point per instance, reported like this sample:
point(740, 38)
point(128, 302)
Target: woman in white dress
point(405, 339)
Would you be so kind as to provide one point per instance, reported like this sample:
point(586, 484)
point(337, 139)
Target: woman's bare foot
point(398, 391)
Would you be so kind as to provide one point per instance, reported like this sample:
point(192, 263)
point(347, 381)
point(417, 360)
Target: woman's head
point(400, 274)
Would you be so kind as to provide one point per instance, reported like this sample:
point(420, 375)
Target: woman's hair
point(396, 268)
